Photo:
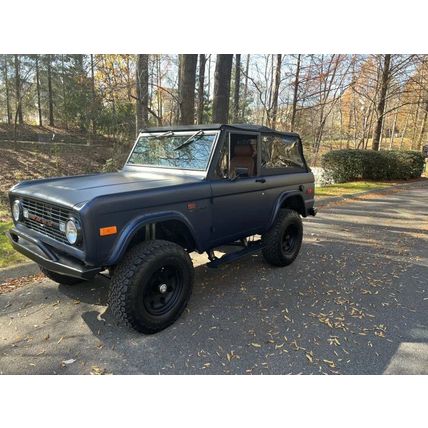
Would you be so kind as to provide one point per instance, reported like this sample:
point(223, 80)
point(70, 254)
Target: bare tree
point(187, 88)
point(93, 97)
point(247, 68)
point(18, 84)
point(423, 127)
point(39, 105)
point(159, 100)
point(380, 109)
point(6, 84)
point(201, 87)
point(142, 89)
point(223, 71)
point(295, 93)
point(237, 85)
point(326, 82)
point(50, 94)
point(274, 99)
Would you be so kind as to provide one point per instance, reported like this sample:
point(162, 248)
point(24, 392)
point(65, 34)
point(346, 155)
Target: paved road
point(354, 302)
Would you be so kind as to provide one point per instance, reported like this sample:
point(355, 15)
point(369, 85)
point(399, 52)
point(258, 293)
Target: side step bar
point(252, 247)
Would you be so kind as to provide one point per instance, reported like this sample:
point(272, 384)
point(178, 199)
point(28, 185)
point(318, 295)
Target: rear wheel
point(283, 241)
point(150, 288)
point(60, 279)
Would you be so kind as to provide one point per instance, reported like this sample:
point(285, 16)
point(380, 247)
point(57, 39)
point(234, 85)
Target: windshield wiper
point(191, 139)
point(165, 134)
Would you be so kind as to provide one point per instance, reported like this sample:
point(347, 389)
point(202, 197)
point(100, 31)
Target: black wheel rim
point(289, 239)
point(163, 290)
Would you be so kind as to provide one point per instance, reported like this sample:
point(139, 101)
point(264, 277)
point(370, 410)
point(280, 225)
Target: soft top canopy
point(218, 126)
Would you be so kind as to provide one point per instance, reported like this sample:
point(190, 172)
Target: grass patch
point(341, 189)
point(8, 256)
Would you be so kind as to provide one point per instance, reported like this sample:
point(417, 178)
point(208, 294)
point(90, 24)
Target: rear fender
point(282, 200)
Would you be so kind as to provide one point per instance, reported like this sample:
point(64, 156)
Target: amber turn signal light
point(110, 230)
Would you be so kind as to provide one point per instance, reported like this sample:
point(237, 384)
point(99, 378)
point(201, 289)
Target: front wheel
point(283, 241)
point(150, 288)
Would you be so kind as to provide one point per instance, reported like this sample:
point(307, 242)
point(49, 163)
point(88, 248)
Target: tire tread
point(120, 292)
point(272, 239)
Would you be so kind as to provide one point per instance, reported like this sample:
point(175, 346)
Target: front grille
point(46, 218)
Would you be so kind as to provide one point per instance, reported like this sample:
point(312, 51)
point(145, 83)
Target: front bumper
point(46, 257)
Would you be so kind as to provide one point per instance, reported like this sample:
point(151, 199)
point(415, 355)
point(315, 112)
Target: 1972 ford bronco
point(182, 189)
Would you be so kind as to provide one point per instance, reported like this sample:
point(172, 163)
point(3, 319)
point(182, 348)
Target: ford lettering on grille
point(46, 218)
point(41, 220)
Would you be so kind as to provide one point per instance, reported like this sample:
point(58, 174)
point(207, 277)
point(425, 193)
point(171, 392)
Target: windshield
point(174, 150)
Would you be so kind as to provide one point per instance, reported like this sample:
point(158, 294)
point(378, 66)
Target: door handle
point(260, 180)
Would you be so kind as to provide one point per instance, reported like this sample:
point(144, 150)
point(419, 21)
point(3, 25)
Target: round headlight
point(72, 231)
point(16, 210)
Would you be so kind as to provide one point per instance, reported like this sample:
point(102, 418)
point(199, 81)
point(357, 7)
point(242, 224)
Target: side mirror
point(241, 172)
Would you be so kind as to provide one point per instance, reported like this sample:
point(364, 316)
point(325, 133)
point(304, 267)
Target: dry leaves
point(68, 362)
point(95, 370)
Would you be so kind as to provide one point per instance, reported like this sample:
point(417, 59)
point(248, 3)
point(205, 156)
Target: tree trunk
point(159, 91)
point(6, 84)
point(39, 105)
point(186, 90)
point(423, 126)
point(368, 127)
point(81, 76)
point(142, 83)
point(223, 70)
point(403, 134)
point(179, 74)
point(128, 77)
point(50, 95)
point(93, 100)
point(201, 84)
point(380, 109)
point(274, 110)
point(295, 94)
point(394, 124)
point(237, 87)
point(209, 77)
point(18, 92)
point(247, 68)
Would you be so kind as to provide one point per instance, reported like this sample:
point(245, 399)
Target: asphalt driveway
point(354, 302)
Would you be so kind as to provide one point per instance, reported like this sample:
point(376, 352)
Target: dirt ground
point(28, 161)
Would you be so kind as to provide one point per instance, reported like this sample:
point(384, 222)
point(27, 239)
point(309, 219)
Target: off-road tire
point(60, 279)
point(133, 280)
point(273, 250)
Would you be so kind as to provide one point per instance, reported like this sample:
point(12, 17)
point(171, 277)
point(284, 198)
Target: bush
point(349, 165)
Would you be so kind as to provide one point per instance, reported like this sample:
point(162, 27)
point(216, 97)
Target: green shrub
point(349, 165)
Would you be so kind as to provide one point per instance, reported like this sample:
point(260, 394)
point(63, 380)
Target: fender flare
point(137, 223)
point(281, 199)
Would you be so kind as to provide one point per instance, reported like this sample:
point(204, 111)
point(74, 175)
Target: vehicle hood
point(72, 191)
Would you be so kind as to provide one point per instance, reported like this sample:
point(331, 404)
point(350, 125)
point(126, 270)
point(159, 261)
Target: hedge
point(348, 165)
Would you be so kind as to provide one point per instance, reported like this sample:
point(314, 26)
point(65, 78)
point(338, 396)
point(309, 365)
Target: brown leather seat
point(243, 158)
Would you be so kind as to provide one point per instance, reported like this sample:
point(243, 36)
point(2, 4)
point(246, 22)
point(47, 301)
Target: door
point(238, 201)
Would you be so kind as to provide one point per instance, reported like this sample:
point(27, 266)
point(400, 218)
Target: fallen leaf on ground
point(330, 363)
point(95, 370)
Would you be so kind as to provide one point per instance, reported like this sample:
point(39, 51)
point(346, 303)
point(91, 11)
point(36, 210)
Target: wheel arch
point(293, 200)
point(171, 226)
